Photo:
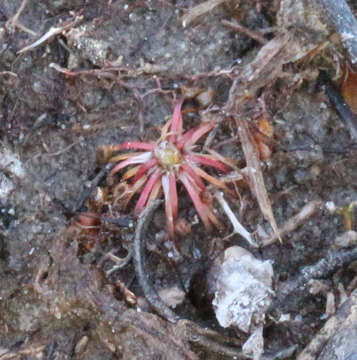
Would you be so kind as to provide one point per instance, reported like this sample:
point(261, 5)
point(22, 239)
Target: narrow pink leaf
point(125, 156)
point(198, 133)
point(229, 162)
point(193, 174)
point(156, 190)
point(181, 141)
point(170, 202)
point(202, 209)
point(144, 168)
point(124, 192)
point(146, 192)
point(134, 145)
point(164, 131)
point(214, 220)
point(206, 160)
point(216, 182)
point(176, 121)
point(173, 194)
point(139, 184)
point(132, 160)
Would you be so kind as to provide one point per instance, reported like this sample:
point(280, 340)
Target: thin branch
point(119, 262)
point(254, 173)
point(199, 10)
point(238, 228)
point(51, 33)
point(33, 351)
point(294, 222)
point(14, 20)
point(337, 100)
point(150, 293)
point(94, 183)
point(244, 30)
point(333, 261)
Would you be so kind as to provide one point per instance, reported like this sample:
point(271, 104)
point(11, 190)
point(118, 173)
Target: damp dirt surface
point(109, 72)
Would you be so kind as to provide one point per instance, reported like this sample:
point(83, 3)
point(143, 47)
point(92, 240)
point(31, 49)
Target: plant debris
point(339, 15)
point(340, 104)
point(337, 335)
point(243, 295)
point(254, 174)
point(199, 10)
point(237, 226)
point(51, 33)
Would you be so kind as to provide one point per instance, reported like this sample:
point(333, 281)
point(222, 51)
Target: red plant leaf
point(212, 179)
point(198, 133)
point(176, 121)
point(180, 142)
point(193, 174)
point(202, 209)
point(144, 168)
point(146, 192)
point(206, 160)
point(132, 160)
point(134, 145)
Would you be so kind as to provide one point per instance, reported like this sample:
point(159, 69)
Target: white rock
point(243, 295)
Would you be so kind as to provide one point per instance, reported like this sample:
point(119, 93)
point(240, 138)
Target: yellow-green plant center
point(168, 155)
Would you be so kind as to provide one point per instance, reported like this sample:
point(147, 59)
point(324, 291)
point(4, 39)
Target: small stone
point(347, 239)
point(81, 345)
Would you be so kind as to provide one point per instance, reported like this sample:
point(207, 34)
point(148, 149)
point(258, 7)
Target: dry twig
point(139, 261)
point(51, 33)
point(119, 262)
point(336, 326)
point(211, 340)
point(14, 20)
point(333, 261)
point(95, 182)
point(33, 351)
point(238, 228)
point(294, 222)
point(199, 10)
point(254, 173)
point(251, 33)
point(336, 99)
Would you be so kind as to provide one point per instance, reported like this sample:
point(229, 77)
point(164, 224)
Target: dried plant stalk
point(238, 228)
point(199, 10)
point(267, 66)
point(294, 222)
point(334, 329)
point(254, 173)
point(339, 14)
